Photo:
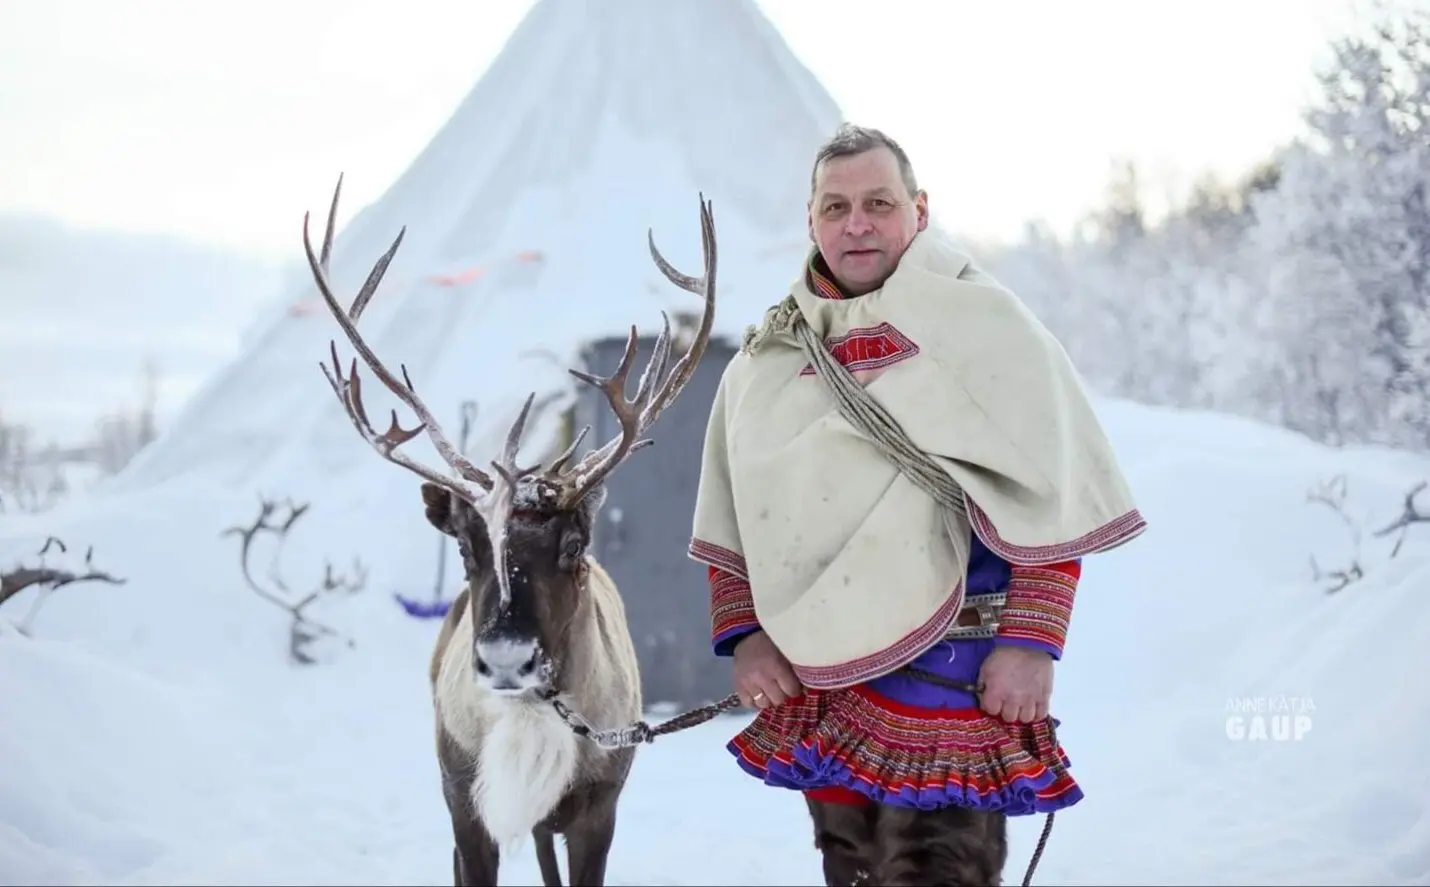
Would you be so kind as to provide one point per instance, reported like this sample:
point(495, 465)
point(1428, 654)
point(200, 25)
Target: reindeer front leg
point(588, 840)
point(475, 857)
point(476, 866)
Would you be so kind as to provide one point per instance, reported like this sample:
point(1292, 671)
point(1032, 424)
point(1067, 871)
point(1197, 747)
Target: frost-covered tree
point(1153, 312)
point(1345, 239)
point(1299, 295)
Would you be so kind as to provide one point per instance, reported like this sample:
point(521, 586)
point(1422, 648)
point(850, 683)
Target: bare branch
point(303, 630)
point(1411, 514)
point(1339, 578)
point(1332, 494)
point(49, 579)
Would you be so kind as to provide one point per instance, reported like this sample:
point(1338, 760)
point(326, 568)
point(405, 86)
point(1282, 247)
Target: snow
point(157, 733)
point(154, 733)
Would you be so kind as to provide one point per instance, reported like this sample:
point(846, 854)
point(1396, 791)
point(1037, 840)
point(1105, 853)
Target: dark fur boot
point(844, 836)
point(901, 847)
point(947, 847)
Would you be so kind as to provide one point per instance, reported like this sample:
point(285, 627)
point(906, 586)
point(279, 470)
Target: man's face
point(862, 218)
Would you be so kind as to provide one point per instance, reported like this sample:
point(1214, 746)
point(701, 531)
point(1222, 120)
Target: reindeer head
point(523, 548)
point(522, 617)
point(523, 532)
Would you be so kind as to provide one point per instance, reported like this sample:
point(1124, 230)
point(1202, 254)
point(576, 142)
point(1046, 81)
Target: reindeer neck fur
point(526, 759)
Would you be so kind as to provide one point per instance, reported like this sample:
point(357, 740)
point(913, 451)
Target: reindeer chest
point(527, 760)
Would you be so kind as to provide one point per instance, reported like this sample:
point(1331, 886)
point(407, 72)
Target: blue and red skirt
point(907, 742)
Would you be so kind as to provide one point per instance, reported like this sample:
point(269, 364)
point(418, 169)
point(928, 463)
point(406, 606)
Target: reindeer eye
point(572, 549)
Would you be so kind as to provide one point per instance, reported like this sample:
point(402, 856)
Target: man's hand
point(763, 676)
point(1017, 684)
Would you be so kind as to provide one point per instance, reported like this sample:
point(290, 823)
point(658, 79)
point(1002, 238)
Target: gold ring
point(758, 696)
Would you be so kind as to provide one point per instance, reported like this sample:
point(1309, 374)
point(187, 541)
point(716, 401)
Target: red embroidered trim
point(718, 556)
point(823, 286)
point(1039, 604)
point(901, 652)
point(868, 348)
point(863, 740)
point(732, 607)
point(1105, 538)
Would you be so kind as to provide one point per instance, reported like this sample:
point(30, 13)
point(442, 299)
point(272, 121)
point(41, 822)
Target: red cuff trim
point(1040, 602)
point(732, 606)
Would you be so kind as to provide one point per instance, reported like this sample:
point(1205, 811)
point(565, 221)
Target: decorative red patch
point(869, 348)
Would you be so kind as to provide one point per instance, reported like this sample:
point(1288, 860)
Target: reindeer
point(540, 624)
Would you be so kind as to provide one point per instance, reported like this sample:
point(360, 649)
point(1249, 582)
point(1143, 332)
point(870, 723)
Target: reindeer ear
point(441, 508)
point(594, 500)
point(450, 513)
point(591, 505)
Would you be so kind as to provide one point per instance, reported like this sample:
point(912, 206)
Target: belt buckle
point(988, 613)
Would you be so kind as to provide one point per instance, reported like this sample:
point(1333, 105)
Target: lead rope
point(639, 733)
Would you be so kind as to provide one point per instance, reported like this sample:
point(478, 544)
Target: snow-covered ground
point(153, 732)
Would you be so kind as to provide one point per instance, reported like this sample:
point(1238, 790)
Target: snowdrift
point(155, 733)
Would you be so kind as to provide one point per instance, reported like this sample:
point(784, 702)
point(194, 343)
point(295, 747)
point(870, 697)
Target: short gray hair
point(851, 139)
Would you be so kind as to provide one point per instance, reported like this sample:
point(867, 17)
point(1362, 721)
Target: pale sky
point(224, 121)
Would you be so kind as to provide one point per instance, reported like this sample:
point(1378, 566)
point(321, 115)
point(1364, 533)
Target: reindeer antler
point(349, 390)
point(640, 413)
point(497, 497)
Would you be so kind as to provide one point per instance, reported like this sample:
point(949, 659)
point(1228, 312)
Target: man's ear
point(444, 509)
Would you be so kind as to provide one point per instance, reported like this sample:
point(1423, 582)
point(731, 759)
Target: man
point(900, 477)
